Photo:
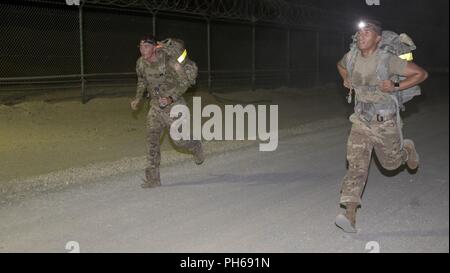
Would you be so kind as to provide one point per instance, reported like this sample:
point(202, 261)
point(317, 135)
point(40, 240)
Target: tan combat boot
point(347, 221)
point(151, 180)
point(413, 156)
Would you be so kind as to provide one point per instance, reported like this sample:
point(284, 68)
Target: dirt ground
point(40, 138)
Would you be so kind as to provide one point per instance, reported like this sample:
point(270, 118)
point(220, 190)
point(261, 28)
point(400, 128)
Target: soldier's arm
point(140, 90)
point(414, 75)
point(141, 84)
point(344, 73)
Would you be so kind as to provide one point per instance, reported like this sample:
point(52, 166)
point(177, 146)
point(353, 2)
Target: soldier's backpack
point(391, 44)
point(178, 53)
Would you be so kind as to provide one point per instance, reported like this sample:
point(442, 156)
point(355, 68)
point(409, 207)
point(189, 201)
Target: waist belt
point(370, 112)
point(378, 117)
point(383, 118)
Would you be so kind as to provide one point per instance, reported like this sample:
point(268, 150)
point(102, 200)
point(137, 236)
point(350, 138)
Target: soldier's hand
point(134, 104)
point(387, 86)
point(165, 101)
point(348, 84)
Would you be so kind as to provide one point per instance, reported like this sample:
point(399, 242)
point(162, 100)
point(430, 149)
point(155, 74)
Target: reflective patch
point(408, 56)
point(182, 56)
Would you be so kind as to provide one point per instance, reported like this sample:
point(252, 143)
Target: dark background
point(42, 39)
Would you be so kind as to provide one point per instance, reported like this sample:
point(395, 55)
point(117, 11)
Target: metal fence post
point(80, 19)
point(253, 53)
point(317, 78)
point(154, 24)
point(288, 56)
point(208, 46)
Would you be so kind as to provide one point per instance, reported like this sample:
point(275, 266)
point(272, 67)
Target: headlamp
point(147, 40)
point(372, 25)
point(362, 24)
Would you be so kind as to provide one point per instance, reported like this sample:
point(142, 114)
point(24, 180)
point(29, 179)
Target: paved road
point(250, 201)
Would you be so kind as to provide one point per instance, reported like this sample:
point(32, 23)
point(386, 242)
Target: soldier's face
point(367, 38)
point(146, 49)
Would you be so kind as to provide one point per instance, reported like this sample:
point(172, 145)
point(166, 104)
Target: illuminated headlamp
point(362, 25)
point(372, 25)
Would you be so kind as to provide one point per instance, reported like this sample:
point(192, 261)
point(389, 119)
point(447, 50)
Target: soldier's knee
point(179, 143)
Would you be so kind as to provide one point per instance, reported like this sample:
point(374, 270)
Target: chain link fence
point(91, 50)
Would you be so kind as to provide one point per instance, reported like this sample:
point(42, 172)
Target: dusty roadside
point(43, 144)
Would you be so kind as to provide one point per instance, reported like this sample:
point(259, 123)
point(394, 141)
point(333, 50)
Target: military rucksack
point(178, 54)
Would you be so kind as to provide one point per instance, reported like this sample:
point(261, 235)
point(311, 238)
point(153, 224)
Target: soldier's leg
point(193, 146)
point(359, 151)
point(412, 156)
point(388, 146)
point(154, 130)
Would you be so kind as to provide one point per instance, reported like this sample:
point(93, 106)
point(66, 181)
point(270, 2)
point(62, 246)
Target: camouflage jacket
point(162, 78)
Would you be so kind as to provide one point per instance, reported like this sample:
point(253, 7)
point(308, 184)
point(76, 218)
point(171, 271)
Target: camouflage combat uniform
point(161, 78)
point(379, 133)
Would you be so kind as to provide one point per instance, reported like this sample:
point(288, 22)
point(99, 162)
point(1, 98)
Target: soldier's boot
point(347, 221)
point(199, 156)
point(151, 180)
point(413, 157)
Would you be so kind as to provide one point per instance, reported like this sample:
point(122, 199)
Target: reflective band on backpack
point(407, 56)
point(182, 56)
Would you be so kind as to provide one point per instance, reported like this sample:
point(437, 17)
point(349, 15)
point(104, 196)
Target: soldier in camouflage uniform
point(374, 123)
point(164, 72)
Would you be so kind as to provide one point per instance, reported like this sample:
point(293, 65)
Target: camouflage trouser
point(384, 138)
point(157, 120)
